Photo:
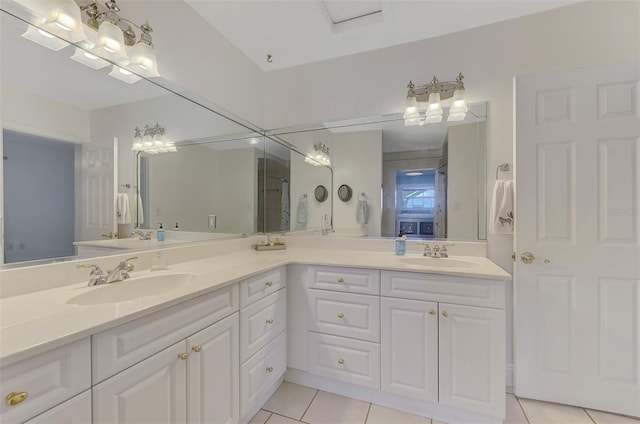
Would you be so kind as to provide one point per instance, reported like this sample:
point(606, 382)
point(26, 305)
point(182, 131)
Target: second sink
point(133, 288)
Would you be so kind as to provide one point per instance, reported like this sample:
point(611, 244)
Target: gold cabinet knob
point(269, 283)
point(340, 280)
point(269, 321)
point(269, 369)
point(432, 312)
point(340, 315)
point(15, 398)
point(197, 348)
point(445, 314)
point(341, 361)
point(183, 355)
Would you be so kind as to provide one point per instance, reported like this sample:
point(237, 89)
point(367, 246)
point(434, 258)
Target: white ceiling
point(297, 32)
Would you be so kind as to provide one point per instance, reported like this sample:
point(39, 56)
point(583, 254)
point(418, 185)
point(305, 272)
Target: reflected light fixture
point(434, 92)
point(124, 75)
point(320, 157)
point(152, 141)
point(44, 38)
point(89, 59)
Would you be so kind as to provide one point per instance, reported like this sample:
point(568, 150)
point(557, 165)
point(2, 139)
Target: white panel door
point(577, 329)
point(213, 372)
point(153, 391)
point(99, 188)
point(409, 348)
point(472, 357)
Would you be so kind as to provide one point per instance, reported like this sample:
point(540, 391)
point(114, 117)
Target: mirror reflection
point(69, 174)
point(424, 181)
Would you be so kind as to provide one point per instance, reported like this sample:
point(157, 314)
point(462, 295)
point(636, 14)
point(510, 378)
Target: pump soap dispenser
point(160, 233)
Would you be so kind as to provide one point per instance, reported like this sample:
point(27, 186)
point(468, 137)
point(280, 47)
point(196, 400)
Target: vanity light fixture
point(89, 59)
point(98, 28)
point(320, 157)
point(433, 93)
point(152, 141)
point(45, 39)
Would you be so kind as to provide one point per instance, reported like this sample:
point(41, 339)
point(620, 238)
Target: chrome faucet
point(141, 234)
point(435, 252)
point(119, 273)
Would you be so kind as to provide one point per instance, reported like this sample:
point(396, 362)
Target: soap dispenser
point(160, 233)
point(401, 243)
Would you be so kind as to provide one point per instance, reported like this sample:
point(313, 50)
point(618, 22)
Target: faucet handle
point(427, 250)
point(443, 252)
point(95, 269)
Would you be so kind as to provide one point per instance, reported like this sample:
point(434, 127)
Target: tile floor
point(294, 404)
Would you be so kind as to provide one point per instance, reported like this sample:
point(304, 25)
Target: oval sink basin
point(133, 288)
point(439, 262)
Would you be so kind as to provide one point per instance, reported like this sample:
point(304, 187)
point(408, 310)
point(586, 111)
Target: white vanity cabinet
point(450, 349)
point(37, 384)
point(75, 410)
point(263, 338)
point(180, 364)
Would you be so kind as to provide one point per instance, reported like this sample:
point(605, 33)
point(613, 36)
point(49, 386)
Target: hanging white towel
point(501, 215)
point(284, 213)
point(123, 211)
point(362, 211)
point(302, 210)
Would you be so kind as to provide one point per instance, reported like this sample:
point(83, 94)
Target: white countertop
point(39, 321)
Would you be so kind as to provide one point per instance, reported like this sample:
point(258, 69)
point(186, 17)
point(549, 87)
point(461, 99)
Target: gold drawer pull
point(445, 314)
point(15, 398)
point(269, 283)
point(432, 312)
point(183, 355)
point(340, 280)
point(340, 315)
point(197, 348)
point(269, 321)
point(341, 361)
point(269, 369)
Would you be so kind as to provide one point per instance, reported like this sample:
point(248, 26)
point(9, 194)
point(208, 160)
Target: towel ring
point(502, 167)
point(345, 193)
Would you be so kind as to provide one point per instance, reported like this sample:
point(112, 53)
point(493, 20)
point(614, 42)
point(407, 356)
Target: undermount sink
point(132, 288)
point(439, 262)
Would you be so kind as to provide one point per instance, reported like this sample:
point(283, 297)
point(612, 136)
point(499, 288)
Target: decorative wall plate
point(321, 193)
point(345, 193)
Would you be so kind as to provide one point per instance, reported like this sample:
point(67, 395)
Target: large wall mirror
point(427, 181)
point(68, 168)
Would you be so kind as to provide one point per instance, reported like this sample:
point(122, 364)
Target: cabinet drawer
point(440, 288)
point(261, 371)
point(47, 380)
point(75, 410)
point(345, 314)
point(261, 322)
point(348, 360)
point(263, 285)
point(352, 280)
point(122, 346)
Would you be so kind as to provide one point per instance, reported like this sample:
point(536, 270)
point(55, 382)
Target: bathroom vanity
point(211, 339)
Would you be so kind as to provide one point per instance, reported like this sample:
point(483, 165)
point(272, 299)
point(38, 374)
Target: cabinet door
point(76, 410)
point(472, 358)
point(409, 348)
point(153, 391)
point(213, 373)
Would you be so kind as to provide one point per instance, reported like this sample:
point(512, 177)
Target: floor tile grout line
point(522, 409)
point(309, 406)
point(368, 410)
point(270, 415)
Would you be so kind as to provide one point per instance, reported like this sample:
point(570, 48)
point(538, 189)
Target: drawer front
point(262, 322)
point(122, 346)
point(48, 380)
point(440, 288)
point(260, 372)
point(345, 314)
point(348, 360)
point(351, 280)
point(263, 285)
point(75, 410)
